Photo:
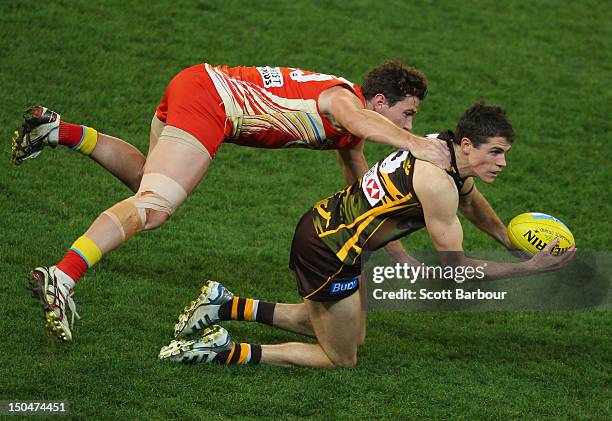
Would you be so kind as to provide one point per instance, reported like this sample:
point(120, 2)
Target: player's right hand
point(543, 261)
point(432, 150)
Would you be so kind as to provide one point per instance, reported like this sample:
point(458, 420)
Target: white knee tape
point(127, 217)
point(156, 128)
point(159, 192)
point(174, 134)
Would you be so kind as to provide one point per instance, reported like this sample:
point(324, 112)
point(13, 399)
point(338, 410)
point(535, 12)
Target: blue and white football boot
point(214, 341)
point(203, 311)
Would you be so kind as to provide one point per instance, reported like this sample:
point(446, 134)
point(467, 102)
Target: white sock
point(65, 279)
point(53, 136)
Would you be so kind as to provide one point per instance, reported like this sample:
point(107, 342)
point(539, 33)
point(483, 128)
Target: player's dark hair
point(395, 81)
point(481, 121)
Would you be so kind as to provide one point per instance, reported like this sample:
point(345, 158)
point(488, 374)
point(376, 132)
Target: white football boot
point(33, 135)
point(53, 293)
point(203, 311)
point(214, 341)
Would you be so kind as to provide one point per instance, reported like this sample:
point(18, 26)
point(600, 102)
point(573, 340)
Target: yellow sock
point(88, 250)
point(88, 142)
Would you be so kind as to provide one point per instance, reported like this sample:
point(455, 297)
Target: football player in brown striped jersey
point(398, 196)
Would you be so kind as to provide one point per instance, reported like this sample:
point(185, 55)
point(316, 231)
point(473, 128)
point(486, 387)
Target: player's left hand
point(432, 150)
point(544, 261)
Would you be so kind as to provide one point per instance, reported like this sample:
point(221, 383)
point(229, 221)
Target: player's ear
point(378, 101)
point(466, 145)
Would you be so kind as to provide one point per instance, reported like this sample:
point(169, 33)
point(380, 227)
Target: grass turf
point(106, 64)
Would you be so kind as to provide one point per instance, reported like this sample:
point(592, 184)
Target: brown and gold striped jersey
point(379, 207)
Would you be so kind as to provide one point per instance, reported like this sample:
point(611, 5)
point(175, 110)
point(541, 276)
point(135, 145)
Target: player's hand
point(521, 254)
point(544, 261)
point(432, 150)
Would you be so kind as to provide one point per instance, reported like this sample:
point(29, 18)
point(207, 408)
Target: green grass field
point(106, 64)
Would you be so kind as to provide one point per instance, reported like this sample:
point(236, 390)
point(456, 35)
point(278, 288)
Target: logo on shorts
point(271, 76)
point(343, 286)
point(371, 186)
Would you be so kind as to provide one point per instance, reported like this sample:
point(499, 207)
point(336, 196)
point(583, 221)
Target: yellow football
point(532, 231)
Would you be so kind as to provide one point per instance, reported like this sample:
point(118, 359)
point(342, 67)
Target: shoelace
point(67, 298)
point(72, 307)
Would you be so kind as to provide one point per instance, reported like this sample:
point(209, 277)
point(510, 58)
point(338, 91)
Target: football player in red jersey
point(203, 107)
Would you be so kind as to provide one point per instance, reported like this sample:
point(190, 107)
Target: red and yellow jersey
point(276, 107)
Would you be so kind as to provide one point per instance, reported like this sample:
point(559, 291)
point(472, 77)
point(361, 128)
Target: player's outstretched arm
point(345, 111)
point(396, 250)
point(475, 207)
point(353, 162)
point(439, 200)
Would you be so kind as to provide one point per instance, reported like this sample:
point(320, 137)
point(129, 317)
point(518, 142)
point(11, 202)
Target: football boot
point(203, 311)
point(33, 135)
point(214, 341)
point(53, 296)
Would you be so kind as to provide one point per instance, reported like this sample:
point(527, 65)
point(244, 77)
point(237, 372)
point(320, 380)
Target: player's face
point(402, 112)
point(488, 160)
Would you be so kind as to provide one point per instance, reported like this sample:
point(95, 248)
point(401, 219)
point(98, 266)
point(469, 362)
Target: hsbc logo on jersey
point(372, 187)
point(271, 76)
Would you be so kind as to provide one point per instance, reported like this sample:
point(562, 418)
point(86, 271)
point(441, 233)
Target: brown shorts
point(321, 276)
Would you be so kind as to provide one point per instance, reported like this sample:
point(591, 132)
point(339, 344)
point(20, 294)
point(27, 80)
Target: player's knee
point(144, 211)
point(159, 196)
point(344, 361)
point(127, 217)
point(155, 219)
point(156, 200)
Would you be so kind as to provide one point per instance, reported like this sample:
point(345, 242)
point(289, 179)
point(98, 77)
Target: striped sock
point(247, 309)
point(240, 354)
point(79, 138)
point(83, 254)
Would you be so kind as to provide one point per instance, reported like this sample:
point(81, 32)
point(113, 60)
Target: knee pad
point(157, 192)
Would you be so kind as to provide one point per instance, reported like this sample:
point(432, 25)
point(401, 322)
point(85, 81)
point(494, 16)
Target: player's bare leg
point(121, 159)
point(217, 304)
point(337, 329)
point(293, 318)
point(363, 303)
point(176, 162)
point(172, 171)
point(296, 317)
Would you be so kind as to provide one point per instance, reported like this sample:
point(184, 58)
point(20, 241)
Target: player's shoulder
point(432, 181)
point(336, 102)
point(341, 92)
